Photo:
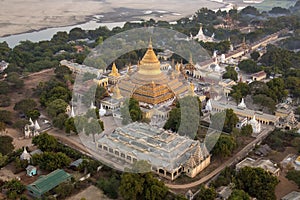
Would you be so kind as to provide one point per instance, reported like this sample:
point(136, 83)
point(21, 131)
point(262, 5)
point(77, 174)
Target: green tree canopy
point(239, 195)
point(141, 186)
point(257, 183)
point(249, 66)
point(56, 107)
point(45, 142)
point(51, 160)
point(6, 145)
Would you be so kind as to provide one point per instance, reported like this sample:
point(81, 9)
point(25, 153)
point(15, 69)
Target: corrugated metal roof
point(48, 182)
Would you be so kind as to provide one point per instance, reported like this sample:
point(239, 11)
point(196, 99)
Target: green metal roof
point(48, 182)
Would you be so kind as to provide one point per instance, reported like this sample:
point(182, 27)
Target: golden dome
point(150, 64)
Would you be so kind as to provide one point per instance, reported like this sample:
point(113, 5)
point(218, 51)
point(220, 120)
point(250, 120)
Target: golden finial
point(192, 89)
point(191, 59)
point(114, 71)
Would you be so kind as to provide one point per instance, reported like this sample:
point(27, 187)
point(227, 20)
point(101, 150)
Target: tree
point(25, 105)
point(45, 142)
point(206, 193)
point(224, 146)
point(294, 175)
point(15, 80)
point(59, 120)
point(56, 107)
point(70, 125)
point(230, 121)
point(4, 87)
point(94, 127)
point(14, 188)
point(6, 145)
point(249, 66)
point(20, 124)
point(185, 117)
point(257, 183)
point(131, 186)
point(255, 55)
point(141, 186)
point(33, 114)
point(239, 195)
point(230, 73)
point(64, 189)
point(51, 160)
point(247, 130)
point(109, 186)
point(61, 72)
point(5, 116)
point(131, 111)
point(239, 91)
point(4, 101)
point(174, 119)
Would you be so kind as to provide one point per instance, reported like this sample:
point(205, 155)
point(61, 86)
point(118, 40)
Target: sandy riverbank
point(23, 16)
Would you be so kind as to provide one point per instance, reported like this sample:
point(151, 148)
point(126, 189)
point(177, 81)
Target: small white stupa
point(256, 126)
point(72, 112)
point(25, 155)
point(102, 111)
point(208, 106)
point(242, 105)
point(223, 58)
point(31, 122)
point(92, 105)
point(36, 125)
point(215, 54)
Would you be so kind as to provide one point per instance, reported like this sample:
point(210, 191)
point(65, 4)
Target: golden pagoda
point(113, 77)
point(149, 84)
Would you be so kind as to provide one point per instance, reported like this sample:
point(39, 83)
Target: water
point(47, 34)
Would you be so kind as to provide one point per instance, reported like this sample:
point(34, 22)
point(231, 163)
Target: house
point(31, 170)
point(48, 182)
point(224, 192)
point(76, 163)
point(292, 196)
point(266, 165)
point(3, 66)
point(259, 76)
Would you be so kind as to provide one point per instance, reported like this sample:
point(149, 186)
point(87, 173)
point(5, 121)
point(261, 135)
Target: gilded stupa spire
point(114, 71)
point(149, 65)
point(117, 93)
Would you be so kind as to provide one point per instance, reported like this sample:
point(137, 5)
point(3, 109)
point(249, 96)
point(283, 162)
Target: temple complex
point(150, 85)
point(168, 153)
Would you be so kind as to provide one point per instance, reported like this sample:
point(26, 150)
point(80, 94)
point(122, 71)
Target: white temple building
point(242, 105)
point(201, 37)
point(208, 106)
point(102, 111)
point(25, 155)
point(256, 126)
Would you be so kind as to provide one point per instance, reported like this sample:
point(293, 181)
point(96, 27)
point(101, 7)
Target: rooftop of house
point(49, 181)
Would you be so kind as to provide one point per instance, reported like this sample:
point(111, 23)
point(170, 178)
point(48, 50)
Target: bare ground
point(90, 193)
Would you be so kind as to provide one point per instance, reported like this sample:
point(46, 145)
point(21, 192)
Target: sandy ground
point(91, 193)
point(22, 16)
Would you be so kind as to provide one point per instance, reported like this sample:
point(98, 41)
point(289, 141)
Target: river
point(47, 34)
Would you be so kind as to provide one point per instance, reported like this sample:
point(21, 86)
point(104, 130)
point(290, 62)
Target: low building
point(291, 161)
point(46, 183)
point(292, 196)
point(223, 192)
point(31, 170)
point(259, 76)
point(267, 165)
point(168, 153)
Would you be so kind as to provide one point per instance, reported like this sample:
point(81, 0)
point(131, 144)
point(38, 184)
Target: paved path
point(237, 157)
